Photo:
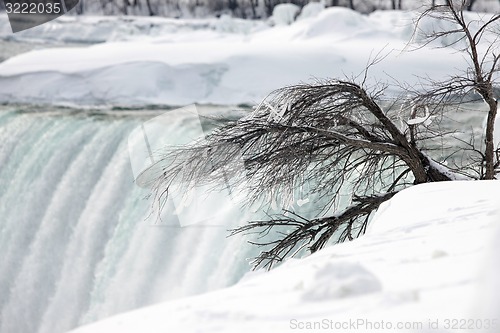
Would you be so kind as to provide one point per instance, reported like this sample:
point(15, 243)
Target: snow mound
point(418, 210)
point(228, 24)
point(312, 9)
point(423, 260)
point(285, 14)
point(340, 280)
point(488, 302)
point(154, 82)
point(339, 21)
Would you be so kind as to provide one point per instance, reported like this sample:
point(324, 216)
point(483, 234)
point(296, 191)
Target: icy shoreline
point(225, 61)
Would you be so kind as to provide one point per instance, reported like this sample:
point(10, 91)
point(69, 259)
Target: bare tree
point(340, 142)
point(332, 137)
point(269, 6)
point(253, 5)
point(396, 4)
point(232, 5)
point(150, 8)
point(479, 41)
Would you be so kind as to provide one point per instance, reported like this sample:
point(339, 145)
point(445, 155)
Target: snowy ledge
point(427, 257)
point(143, 61)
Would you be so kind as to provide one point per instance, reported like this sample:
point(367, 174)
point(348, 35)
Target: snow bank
point(285, 14)
point(312, 9)
point(488, 302)
point(222, 61)
point(439, 205)
point(153, 83)
point(423, 261)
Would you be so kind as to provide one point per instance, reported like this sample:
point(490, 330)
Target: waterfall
point(75, 241)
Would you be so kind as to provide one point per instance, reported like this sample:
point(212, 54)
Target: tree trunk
point(78, 8)
point(254, 4)
point(150, 9)
point(490, 144)
point(269, 7)
point(125, 7)
point(233, 5)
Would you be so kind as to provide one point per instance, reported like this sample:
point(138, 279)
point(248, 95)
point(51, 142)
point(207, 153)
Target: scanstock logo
point(26, 14)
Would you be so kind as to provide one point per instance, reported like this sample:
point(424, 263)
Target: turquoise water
point(75, 239)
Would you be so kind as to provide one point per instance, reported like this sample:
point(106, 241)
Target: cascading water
point(74, 240)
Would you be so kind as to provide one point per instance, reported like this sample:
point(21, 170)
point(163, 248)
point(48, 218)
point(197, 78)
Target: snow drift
point(428, 257)
point(221, 61)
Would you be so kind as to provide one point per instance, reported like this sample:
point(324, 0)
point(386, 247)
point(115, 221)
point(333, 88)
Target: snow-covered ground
point(429, 262)
point(227, 61)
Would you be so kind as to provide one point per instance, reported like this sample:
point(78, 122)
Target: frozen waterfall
point(75, 241)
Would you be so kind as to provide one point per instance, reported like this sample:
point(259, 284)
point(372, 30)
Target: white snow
point(219, 61)
point(430, 254)
point(312, 9)
point(285, 14)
